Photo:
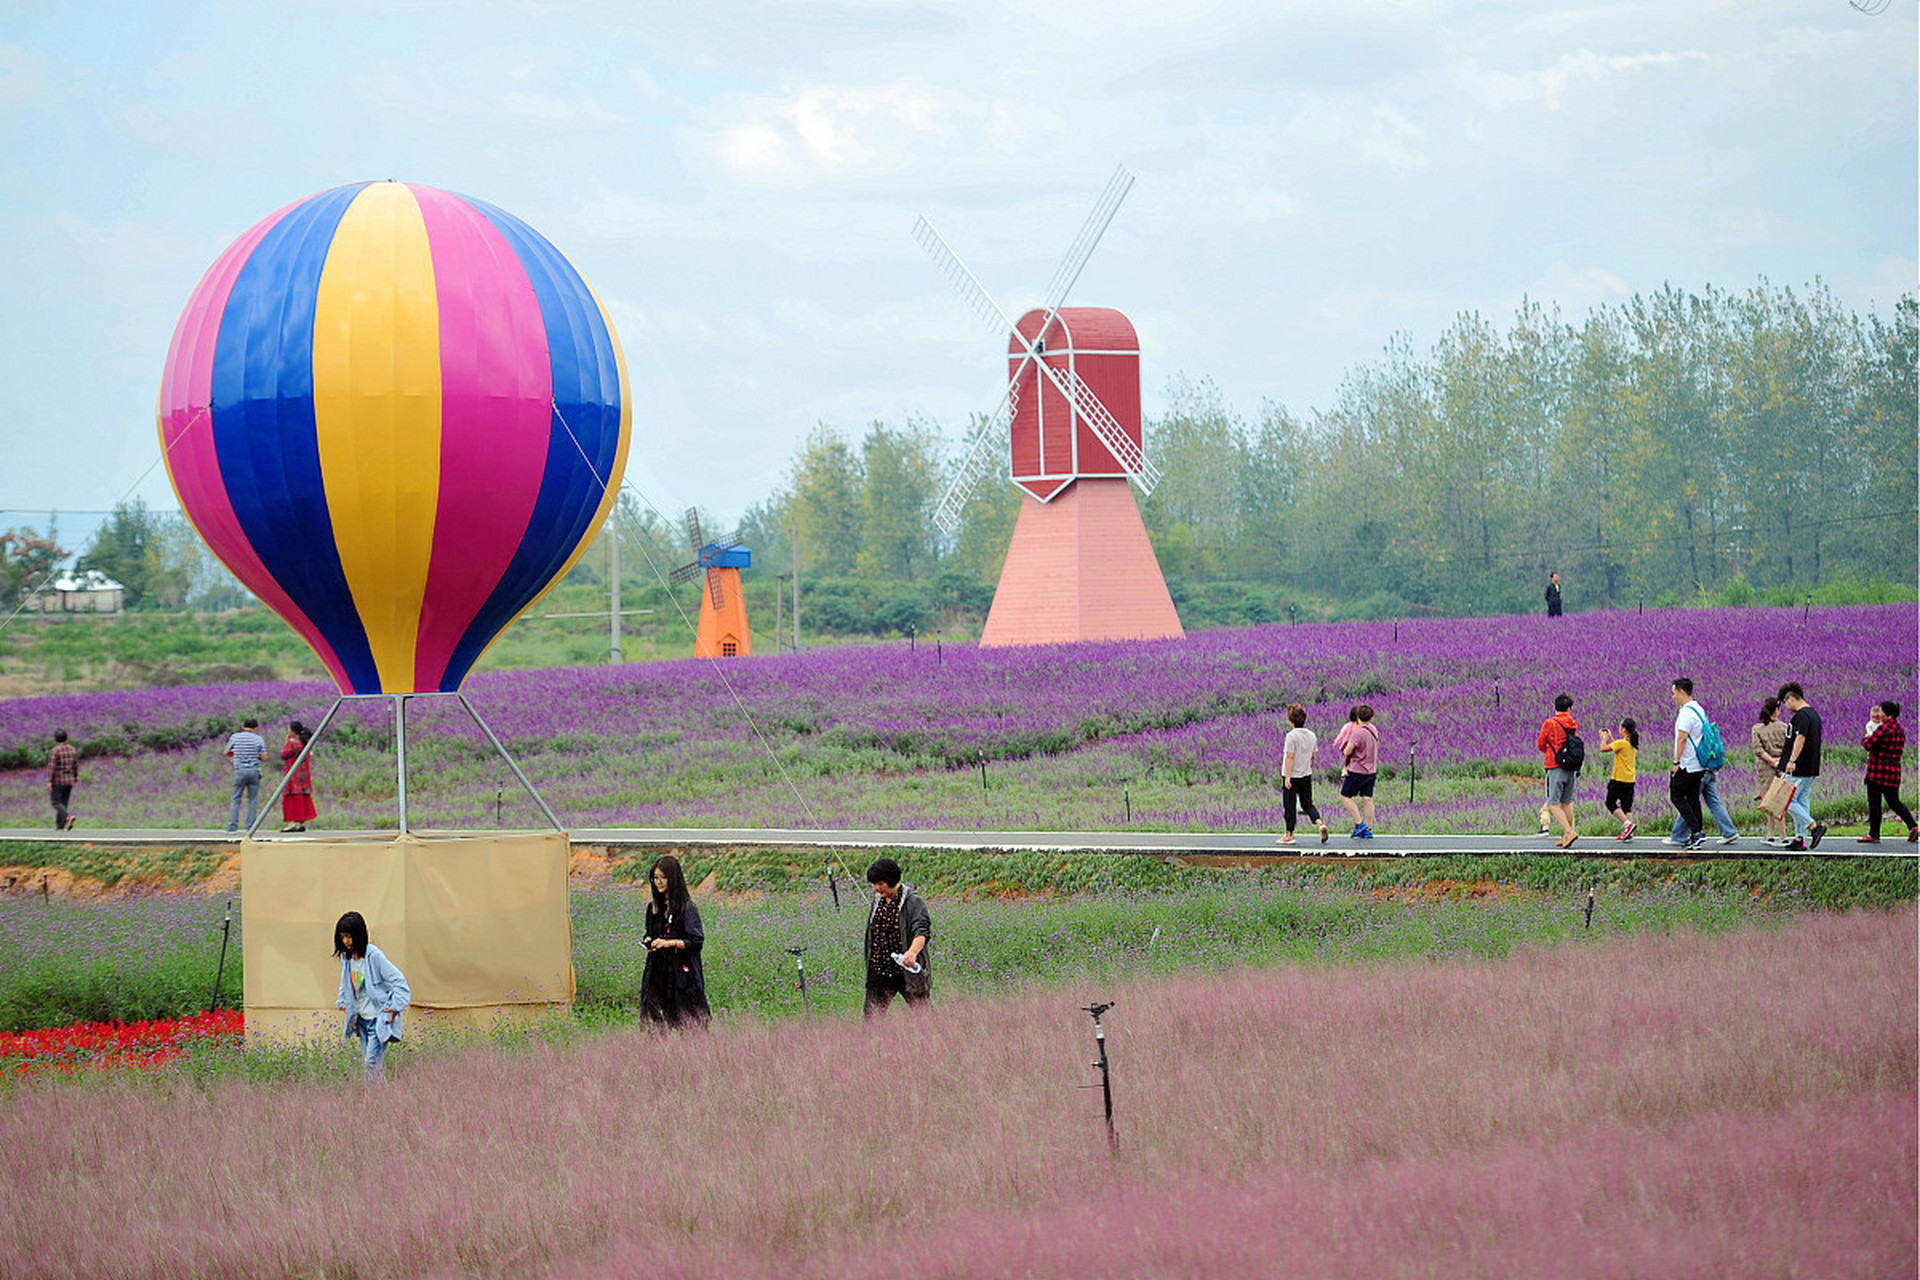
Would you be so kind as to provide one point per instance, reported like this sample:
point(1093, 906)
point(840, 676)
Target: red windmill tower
point(1080, 566)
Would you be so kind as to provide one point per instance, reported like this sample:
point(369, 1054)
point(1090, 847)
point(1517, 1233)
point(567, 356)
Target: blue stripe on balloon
point(263, 424)
point(586, 395)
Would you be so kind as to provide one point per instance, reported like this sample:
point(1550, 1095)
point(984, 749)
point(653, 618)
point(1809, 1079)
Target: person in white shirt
point(1683, 787)
point(1296, 772)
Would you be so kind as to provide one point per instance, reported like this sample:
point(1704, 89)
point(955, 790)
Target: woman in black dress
point(673, 987)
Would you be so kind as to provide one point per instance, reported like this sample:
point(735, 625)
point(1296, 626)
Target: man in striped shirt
point(63, 771)
point(245, 748)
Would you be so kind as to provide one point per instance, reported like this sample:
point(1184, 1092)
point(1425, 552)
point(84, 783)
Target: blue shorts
point(1357, 784)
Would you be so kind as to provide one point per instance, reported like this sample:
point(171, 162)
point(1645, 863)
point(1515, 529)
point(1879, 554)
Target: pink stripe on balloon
point(186, 439)
point(496, 388)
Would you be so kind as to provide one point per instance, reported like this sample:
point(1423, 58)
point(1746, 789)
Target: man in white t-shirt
point(1683, 787)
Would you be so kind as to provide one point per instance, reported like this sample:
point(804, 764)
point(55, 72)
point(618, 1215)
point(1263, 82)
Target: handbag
point(1778, 796)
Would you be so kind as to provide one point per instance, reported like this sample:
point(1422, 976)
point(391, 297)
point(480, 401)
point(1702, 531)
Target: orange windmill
point(723, 608)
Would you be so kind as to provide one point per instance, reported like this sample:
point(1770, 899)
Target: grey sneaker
point(1730, 839)
point(1671, 840)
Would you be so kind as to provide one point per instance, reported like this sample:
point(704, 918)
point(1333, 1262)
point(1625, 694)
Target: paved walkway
point(1166, 843)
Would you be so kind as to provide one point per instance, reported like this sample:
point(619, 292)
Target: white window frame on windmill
point(1047, 482)
point(994, 434)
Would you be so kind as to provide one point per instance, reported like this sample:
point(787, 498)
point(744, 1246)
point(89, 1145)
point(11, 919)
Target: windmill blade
point(1068, 272)
point(978, 459)
point(726, 541)
point(692, 521)
point(956, 271)
point(1136, 464)
point(714, 590)
point(685, 572)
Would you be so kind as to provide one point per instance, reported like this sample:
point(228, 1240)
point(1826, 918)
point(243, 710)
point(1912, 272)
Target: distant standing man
point(897, 925)
point(1553, 596)
point(63, 771)
point(1800, 760)
point(1683, 787)
point(1563, 771)
point(245, 748)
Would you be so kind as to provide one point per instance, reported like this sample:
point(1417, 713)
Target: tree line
point(1669, 448)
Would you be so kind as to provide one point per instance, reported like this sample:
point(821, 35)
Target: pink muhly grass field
point(1741, 1104)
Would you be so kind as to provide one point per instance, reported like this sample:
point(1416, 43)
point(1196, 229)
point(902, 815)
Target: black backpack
point(1571, 755)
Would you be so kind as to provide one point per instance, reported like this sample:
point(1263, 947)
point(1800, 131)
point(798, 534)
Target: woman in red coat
point(296, 802)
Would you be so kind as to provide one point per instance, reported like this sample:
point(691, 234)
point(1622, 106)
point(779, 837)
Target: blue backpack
point(1711, 751)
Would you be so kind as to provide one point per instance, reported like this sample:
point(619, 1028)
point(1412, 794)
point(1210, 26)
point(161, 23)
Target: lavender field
point(1681, 1103)
point(1176, 735)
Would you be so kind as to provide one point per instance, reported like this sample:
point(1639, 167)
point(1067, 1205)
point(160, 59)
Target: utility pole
point(779, 612)
point(796, 585)
point(614, 573)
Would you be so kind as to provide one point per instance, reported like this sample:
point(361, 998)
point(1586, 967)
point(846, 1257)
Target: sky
point(739, 183)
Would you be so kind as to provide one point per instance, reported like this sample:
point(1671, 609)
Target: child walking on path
point(1620, 783)
point(373, 991)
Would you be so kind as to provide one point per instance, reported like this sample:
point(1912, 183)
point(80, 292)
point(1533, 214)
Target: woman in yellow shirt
point(1625, 750)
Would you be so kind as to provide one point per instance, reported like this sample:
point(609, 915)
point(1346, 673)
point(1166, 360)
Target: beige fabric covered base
point(479, 925)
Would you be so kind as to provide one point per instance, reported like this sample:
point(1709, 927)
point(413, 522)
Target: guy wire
point(719, 668)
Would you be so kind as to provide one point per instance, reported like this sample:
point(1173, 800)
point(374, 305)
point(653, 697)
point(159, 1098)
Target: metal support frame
point(400, 701)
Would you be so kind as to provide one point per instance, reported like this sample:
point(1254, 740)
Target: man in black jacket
point(1800, 760)
point(1553, 596)
point(897, 925)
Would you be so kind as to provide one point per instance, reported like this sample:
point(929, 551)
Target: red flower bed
point(108, 1045)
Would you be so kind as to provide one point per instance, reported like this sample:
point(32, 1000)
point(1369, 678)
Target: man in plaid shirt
point(62, 772)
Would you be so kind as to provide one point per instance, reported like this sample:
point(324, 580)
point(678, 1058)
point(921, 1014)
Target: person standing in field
point(899, 942)
point(296, 801)
point(1621, 780)
point(1768, 737)
point(1885, 741)
point(245, 748)
point(1559, 742)
point(63, 774)
point(1360, 760)
point(373, 991)
point(673, 986)
point(1296, 772)
point(1683, 787)
point(1800, 760)
point(1553, 596)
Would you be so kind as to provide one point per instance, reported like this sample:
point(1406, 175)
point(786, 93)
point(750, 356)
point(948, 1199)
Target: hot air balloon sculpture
point(398, 415)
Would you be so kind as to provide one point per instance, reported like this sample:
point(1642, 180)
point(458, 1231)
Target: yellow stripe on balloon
point(376, 405)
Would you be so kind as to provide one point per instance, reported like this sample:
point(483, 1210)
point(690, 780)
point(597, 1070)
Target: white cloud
point(835, 130)
point(1576, 73)
point(23, 75)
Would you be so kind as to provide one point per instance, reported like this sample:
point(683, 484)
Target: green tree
point(27, 562)
point(126, 548)
point(900, 474)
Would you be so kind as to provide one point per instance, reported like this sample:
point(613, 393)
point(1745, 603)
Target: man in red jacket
point(1554, 732)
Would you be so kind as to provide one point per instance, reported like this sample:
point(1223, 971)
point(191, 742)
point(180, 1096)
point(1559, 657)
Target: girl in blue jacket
point(373, 991)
